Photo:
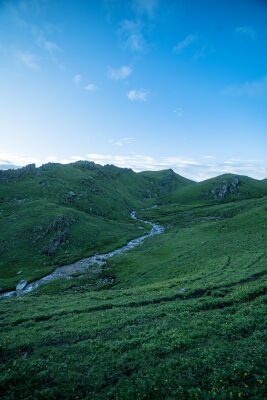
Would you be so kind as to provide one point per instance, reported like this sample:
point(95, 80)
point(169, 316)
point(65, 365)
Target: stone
point(225, 188)
point(19, 272)
point(21, 285)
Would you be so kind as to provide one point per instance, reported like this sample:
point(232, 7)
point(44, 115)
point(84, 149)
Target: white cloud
point(97, 156)
point(138, 162)
point(120, 73)
point(77, 79)
point(17, 159)
point(122, 141)
point(179, 111)
point(131, 36)
point(254, 88)
point(202, 52)
point(51, 46)
point(246, 30)
point(138, 95)
point(91, 87)
point(180, 162)
point(185, 43)
point(190, 168)
point(196, 170)
point(146, 7)
point(42, 42)
point(28, 59)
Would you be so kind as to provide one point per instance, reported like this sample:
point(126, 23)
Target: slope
point(56, 214)
point(223, 188)
point(166, 180)
point(182, 317)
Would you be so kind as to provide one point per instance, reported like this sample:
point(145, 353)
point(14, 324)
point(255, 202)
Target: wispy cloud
point(203, 51)
point(51, 47)
point(17, 159)
point(91, 87)
point(185, 43)
point(28, 59)
point(41, 40)
point(145, 7)
point(138, 95)
point(179, 111)
point(123, 141)
point(138, 162)
point(39, 35)
point(194, 169)
point(77, 79)
point(254, 88)
point(120, 73)
point(247, 31)
point(132, 32)
point(131, 36)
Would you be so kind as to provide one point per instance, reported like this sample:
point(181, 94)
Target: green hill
point(166, 180)
point(223, 188)
point(180, 317)
point(56, 214)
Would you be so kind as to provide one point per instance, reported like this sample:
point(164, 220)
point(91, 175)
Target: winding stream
point(66, 271)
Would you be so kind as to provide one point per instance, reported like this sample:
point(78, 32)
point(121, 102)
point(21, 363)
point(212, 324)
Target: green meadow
point(179, 317)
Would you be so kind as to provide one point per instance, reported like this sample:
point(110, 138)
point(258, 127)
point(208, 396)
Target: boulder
point(21, 285)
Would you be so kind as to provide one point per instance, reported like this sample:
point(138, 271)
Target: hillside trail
point(96, 262)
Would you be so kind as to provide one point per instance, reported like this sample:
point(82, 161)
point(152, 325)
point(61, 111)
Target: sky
point(142, 84)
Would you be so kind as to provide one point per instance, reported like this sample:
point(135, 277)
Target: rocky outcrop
point(21, 285)
point(83, 164)
point(48, 166)
point(226, 188)
point(13, 174)
point(59, 228)
point(168, 183)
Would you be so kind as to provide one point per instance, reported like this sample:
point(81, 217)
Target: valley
point(180, 316)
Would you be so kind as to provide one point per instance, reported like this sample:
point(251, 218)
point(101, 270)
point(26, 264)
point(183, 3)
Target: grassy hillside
point(166, 180)
point(223, 188)
point(57, 214)
point(181, 318)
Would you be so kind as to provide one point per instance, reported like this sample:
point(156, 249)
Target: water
point(66, 271)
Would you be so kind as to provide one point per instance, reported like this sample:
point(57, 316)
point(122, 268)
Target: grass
point(247, 188)
point(94, 201)
point(180, 317)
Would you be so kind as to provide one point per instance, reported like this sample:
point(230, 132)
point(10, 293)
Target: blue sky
point(145, 84)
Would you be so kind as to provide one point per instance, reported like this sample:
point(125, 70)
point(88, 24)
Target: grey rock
point(225, 188)
point(60, 228)
point(19, 272)
point(21, 285)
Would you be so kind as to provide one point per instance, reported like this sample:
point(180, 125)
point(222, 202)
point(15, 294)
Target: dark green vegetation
point(57, 214)
point(181, 318)
point(223, 188)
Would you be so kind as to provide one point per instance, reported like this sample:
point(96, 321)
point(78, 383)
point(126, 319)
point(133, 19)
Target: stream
point(66, 271)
